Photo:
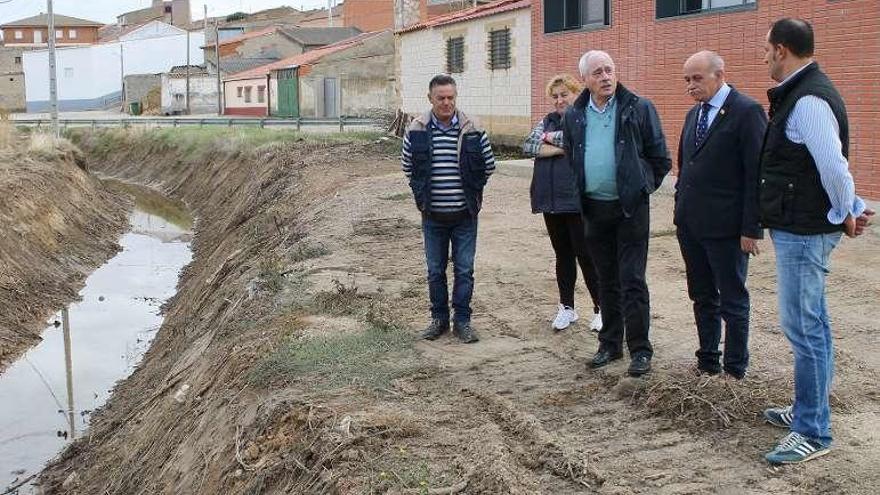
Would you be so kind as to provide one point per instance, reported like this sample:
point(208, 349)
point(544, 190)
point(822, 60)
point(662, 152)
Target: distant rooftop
point(60, 21)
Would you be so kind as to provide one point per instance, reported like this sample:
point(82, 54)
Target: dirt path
point(517, 413)
point(522, 408)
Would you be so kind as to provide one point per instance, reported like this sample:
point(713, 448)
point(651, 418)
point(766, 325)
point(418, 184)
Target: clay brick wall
point(649, 53)
point(369, 15)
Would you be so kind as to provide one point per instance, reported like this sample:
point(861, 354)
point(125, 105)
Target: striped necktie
point(703, 122)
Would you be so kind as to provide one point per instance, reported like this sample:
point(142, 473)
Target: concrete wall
point(364, 76)
point(11, 79)
point(138, 85)
point(499, 99)
point(202, 94)
point(12, 92)
point(88, 76)
point(650, 52)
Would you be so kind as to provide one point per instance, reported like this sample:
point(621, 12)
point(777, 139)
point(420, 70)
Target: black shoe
point(465, 332)
point(639, 365)
point(604, 357)
point(435, 329)
point(703, 369)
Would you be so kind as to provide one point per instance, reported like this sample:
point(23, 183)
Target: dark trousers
point(566, 232)
point(619, 248)
point(716, 278)
point(461, 235)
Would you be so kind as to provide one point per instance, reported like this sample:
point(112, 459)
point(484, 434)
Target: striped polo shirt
point(447, 194)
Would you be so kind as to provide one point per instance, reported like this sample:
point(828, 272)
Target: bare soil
point(58, 224)
point(518, 412)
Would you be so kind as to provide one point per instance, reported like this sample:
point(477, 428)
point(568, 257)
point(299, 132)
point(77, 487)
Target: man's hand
point(749, 245)
point(863, 221)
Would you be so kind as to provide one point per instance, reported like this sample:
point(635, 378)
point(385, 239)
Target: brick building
point(33, 31)
point(487, 50)
point(650, 40)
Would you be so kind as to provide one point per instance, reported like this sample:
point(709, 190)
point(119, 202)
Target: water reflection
point(47, 395)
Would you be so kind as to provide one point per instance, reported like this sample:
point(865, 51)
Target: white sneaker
point(596, 324)
point(565, 317)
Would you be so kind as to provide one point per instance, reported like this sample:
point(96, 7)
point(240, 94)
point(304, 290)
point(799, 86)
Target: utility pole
point(330, 13)
point(187, 72)
point(68, 367)
point(217, 54)
point(53, 81)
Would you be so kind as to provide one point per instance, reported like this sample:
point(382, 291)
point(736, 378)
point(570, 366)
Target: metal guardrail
point(298, 123)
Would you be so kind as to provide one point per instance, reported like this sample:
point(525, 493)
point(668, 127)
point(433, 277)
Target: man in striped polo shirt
point(448, 159)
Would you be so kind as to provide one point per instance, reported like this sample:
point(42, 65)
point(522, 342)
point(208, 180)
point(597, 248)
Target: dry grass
point(6, 133)
point(699, 400)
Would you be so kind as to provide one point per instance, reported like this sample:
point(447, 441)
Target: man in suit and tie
point(716, 210)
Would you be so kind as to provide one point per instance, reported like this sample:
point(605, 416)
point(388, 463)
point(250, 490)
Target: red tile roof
point(469, 14)
point(306, 58)
point(246, 36)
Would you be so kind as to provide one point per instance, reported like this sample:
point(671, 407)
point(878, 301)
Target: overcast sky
point(107, 10)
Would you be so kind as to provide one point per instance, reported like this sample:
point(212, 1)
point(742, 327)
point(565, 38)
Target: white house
point(202, 91)
point(487, 49)
point(90, 77)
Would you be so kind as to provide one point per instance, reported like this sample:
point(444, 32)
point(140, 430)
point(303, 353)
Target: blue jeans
point(462, 236)
point(801, 266)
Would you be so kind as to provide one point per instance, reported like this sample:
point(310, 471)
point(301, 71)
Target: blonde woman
point(555, 194)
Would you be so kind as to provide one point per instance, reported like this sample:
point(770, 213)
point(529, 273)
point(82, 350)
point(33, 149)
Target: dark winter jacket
point(640, 148)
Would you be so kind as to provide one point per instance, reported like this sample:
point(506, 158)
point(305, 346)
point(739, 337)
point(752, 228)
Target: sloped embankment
point(57, 224)
point(175, 425)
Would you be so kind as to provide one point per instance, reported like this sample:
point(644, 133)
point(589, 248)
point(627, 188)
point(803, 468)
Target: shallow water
point(110, 329)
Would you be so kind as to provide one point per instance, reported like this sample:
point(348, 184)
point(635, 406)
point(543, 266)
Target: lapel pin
point(722, 111)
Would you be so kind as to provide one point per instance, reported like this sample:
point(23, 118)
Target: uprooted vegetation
point(58, 225)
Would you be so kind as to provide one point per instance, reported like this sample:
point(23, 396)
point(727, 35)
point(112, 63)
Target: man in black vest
point(448, 159)
point(716, 209)
point(807, 200)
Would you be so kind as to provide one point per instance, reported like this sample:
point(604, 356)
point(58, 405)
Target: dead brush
point(700, 400)
point(342, 300)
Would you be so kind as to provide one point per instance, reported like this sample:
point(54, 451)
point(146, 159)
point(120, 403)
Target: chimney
point(180, 12)
point(406, 13)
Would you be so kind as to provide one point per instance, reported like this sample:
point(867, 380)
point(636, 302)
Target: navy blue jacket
point(470, 161)
point(639, 150)
point(553, 187)
point(716, 195)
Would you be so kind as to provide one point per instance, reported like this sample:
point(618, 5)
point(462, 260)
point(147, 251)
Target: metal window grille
point(499, 49)
point(455, 55)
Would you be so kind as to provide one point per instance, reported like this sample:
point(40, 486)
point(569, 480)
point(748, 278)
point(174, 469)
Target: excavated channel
point(47, 395)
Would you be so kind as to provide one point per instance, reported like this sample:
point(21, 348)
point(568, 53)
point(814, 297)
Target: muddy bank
point(58, 224)
point(176, 425)
point(286, 363)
